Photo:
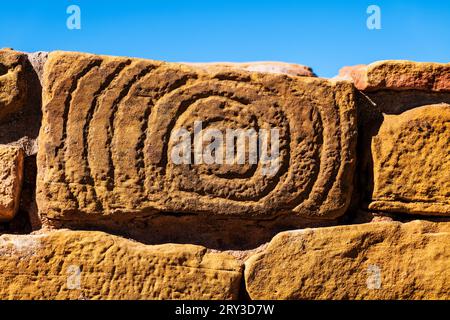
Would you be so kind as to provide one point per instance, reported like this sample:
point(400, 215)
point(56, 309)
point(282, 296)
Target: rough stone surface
point(411, 162)
point(262, 66)
point(20, 98)
point(37, 60)
point(399, 75)
point(104, 144)
point(20, 120)
point(97, 158)
point(391, 88)
point(11, 175)
point(386, 260)
point(94, 265)
point(13, 87)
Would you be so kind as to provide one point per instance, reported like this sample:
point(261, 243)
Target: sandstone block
point(13, 88)
point(399, 75)
point(393, 87)
point(105, 145)
point(389, 90)
point(411, 162)
point(11, 175)
point(94, 265)
point(386, 260)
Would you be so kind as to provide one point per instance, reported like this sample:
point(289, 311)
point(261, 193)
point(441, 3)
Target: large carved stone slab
point(105, 143)
point(94, 265)
point(386, 260)
point(411, 162)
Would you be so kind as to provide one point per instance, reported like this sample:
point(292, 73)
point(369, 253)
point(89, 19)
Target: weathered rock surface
point(20, 120)
point(94, 265)
point(13, 86)
point(411, 161)
point(386, 260)
point(20, 98)
point(104, 145)
point(105, 163)
point(262, 66)
point(37, 60)
point(11, 175)
point(399, 75)
point(389, 90)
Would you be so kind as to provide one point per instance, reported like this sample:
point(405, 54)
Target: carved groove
point(115, 105)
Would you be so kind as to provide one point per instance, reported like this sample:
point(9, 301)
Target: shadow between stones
point(211, 232)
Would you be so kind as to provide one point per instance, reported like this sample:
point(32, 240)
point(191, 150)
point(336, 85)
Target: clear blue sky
point(322, 34)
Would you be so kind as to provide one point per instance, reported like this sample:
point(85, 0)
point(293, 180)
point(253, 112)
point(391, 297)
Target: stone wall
point(353, 204)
